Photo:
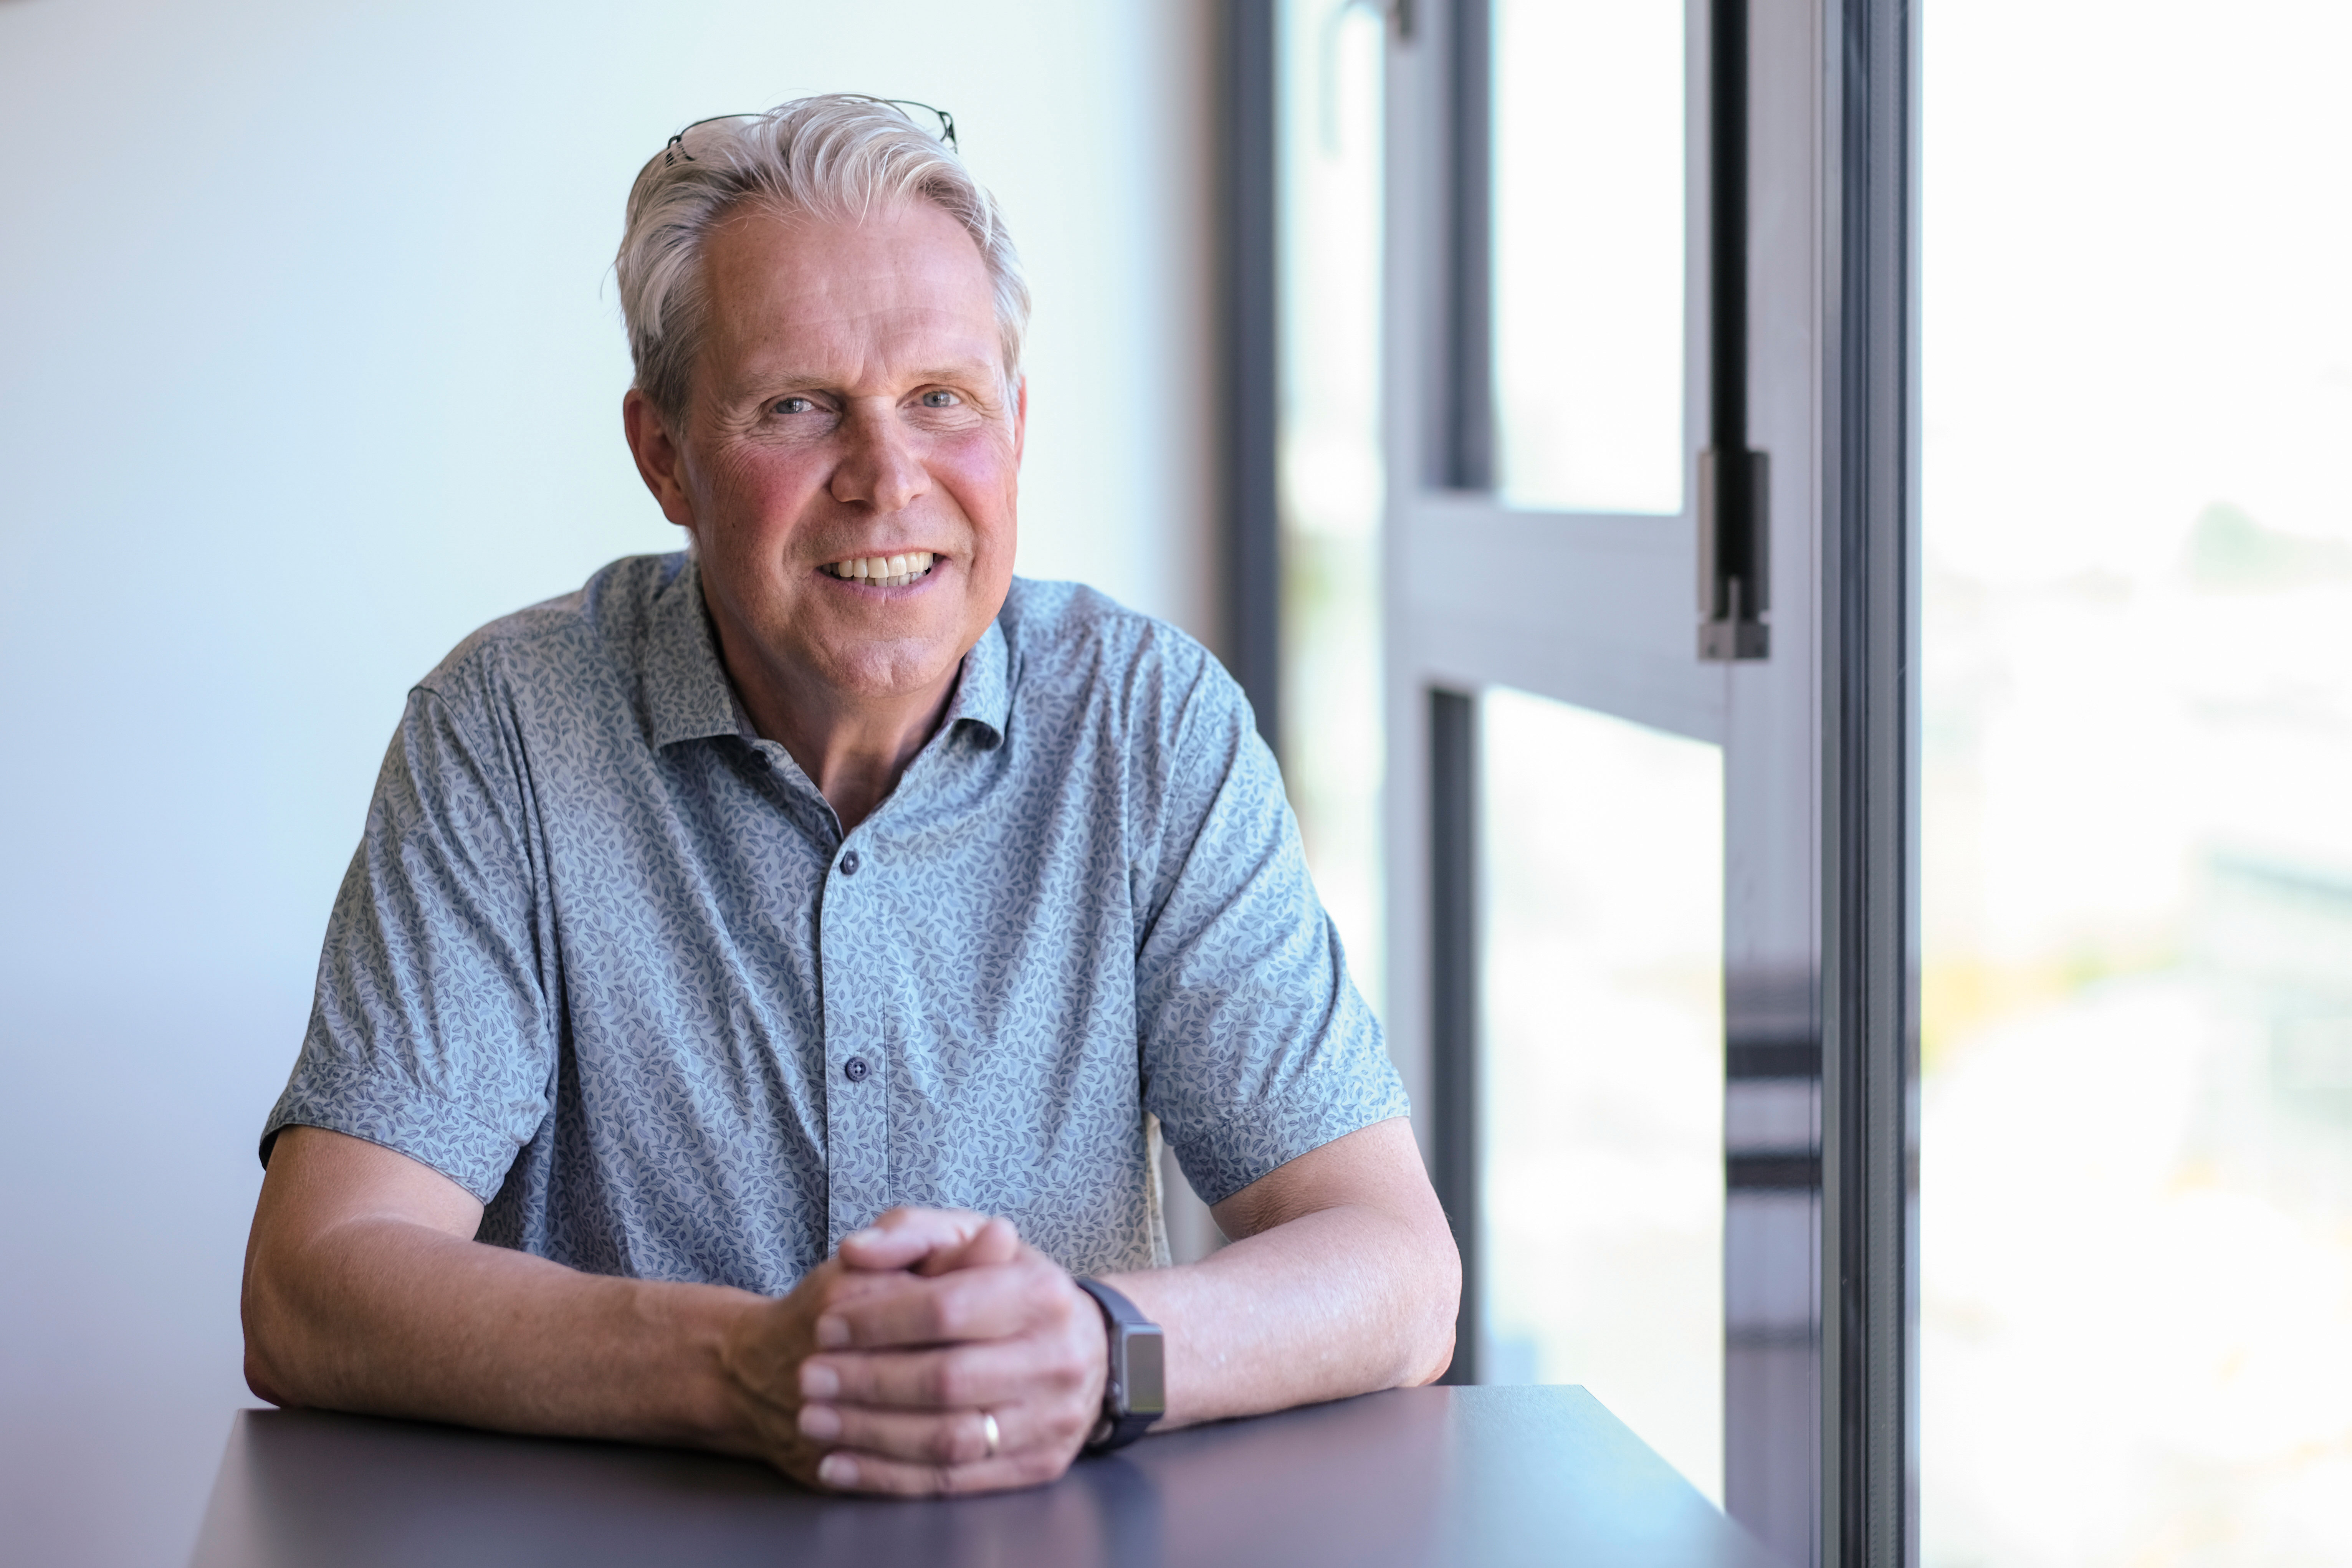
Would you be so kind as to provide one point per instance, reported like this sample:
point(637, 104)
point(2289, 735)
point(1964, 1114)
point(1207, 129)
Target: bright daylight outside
point(1330, 371)
point(1603, 1079)
point(1589, 190)
point(2137, 1140)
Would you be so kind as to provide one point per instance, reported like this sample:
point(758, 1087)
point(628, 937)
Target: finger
point(989, 1303)
point(997, 1241)
point(849, 1472)
point(764, 1352)
point(942, 1437)
point(994, 1372)
point(904, 1236)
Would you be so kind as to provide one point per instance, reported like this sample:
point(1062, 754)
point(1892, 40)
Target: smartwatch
point(1137, 1391)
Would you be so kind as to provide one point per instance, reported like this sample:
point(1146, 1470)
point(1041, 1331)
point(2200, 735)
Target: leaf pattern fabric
point(605, 958)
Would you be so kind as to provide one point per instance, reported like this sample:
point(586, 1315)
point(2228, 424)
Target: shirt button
point(854, 1069)
point(849, 869)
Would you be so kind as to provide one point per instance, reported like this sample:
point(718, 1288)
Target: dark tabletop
point(1425, 1476)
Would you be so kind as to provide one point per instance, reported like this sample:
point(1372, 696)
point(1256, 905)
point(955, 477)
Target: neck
point(853, 749)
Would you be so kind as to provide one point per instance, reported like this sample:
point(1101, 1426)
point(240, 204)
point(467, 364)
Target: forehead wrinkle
point(837, 352)
point(920, 275)
point(842, 318)
point(793, 366)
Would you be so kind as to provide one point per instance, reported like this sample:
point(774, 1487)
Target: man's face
point(849, 408)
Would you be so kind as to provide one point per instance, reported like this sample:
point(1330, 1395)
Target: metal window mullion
point(1453, 989)
point(1468, 451)
point(1870, 882)
point(1251, 236)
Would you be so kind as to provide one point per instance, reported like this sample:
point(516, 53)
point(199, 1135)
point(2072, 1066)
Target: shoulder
point(1075, 649)
point(561, 648)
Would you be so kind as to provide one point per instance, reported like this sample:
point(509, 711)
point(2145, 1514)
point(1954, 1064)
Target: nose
point(880, 468)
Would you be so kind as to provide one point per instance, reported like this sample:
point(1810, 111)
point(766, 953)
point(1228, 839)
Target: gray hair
point(836, 155)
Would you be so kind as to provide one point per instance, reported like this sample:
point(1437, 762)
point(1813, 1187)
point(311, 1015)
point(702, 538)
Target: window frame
point(1820, 739)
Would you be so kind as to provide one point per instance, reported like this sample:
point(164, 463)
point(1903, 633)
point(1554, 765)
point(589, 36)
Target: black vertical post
point(1727, 224)
point(1734, 567)
point(1467, 451)
point(1870, 790)
point(1453, 996)
point(1253, 367)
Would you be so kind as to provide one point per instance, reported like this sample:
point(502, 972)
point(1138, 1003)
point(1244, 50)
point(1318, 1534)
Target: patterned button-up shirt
point(606, 959)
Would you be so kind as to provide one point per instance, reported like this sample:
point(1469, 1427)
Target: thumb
point(905, 1236)
point(995, 1241)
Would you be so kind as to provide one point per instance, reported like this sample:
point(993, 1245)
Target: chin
point(894, 669)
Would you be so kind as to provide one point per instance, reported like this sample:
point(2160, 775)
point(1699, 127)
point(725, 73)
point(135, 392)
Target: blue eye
point(795, 406)
point(936, 399)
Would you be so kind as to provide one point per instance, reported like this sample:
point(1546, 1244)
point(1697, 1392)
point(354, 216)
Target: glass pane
point(1331, 214)
point(1588, 194)
point(1603, 1080)
point(2137, 1140)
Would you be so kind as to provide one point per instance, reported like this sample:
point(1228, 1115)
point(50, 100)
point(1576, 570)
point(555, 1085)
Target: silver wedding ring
point(988, 1430)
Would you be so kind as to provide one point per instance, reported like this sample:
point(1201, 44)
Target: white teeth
point(885, 571)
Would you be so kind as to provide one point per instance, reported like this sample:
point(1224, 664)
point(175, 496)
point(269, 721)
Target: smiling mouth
point(883, 571)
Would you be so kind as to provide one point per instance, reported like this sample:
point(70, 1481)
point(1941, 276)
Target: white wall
point(308, 363)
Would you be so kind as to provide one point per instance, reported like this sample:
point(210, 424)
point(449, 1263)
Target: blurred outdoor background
point(2136, 1181)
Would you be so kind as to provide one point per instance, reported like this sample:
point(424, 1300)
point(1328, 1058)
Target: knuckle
point(1065, 1373)
point(944, 1446)
point(1072, 1311)
point(954, 1309)
point(926, 1314)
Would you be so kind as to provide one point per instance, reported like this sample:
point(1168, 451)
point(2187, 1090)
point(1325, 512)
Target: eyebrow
point(981, 374)
point(956, 371)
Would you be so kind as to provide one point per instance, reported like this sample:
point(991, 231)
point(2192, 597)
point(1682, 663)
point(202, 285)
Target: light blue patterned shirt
point(606, 959)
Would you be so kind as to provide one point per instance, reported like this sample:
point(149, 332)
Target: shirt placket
point(857, 1125)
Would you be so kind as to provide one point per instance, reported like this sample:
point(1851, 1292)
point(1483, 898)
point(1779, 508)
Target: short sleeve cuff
point(400, 1116)
point(1263, 1138)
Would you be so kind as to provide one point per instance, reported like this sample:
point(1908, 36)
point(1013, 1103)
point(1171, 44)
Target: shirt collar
point(984, 691)
point(687, 695)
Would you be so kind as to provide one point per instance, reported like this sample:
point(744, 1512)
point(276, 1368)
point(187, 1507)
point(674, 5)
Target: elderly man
point(753, 1013)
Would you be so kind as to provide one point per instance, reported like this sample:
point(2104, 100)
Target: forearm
point(394, 1318)
point(1343, 1301)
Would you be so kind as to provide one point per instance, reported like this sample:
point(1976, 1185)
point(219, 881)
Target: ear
point(661, 460)
point(1020, 419)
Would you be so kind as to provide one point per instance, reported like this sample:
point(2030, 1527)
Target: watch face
point(1146, 1379)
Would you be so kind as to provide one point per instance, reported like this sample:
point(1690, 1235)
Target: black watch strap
point(1135, 1394)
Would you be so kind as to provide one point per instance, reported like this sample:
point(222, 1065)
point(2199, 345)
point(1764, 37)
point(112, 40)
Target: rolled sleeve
point(432, 1032)
point(1256, 1046)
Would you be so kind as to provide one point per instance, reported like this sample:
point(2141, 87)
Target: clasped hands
point(891, 1365)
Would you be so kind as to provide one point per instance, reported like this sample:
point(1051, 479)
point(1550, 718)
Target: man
point(766, 972)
